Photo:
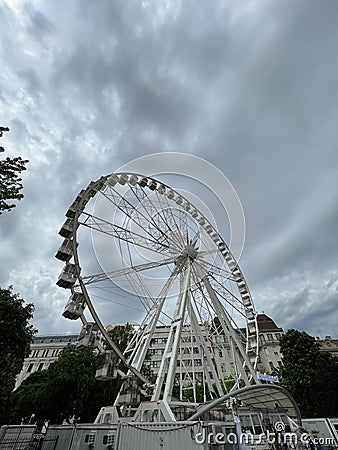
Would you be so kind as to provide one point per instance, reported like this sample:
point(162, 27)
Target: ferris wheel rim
point(222, 247)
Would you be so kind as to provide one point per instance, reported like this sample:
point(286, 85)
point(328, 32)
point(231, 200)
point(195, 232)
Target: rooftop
point(265, 323)
point(46, 339)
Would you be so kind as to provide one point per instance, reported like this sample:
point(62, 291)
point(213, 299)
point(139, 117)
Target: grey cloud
point(89, 87)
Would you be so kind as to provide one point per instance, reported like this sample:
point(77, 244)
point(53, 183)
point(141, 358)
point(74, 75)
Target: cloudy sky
point(250, 86)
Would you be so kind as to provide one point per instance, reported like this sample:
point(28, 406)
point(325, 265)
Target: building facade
point(270, 357)
point(328, 345)
point(190, 362)
point(45, 349)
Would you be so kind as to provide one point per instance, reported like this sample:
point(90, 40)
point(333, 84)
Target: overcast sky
point(251, 86)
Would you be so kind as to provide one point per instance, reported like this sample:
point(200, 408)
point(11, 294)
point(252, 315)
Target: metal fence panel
point(29, 444)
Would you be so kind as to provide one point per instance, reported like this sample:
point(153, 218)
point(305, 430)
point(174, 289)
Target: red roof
point(265, 323)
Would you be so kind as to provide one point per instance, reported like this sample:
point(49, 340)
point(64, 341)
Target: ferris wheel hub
point(190, 251)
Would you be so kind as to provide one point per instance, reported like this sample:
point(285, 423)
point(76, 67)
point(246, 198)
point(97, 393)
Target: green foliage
point(228, 382)
point(324, 388)
point(71, 384)
point(188, 393)
point(15, 336)
point(10, 182)
point(302, 363)
point(68, 388)
point(121, 335)
point(30, 398)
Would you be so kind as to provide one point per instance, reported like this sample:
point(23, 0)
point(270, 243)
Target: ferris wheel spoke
point(208, 252)
point(228, 296)
point(141, 289)
point(202, 302)
point(176, 230)
point(155, 214)
point(125, 271)
point(213, 269)
point(207, 300)
point(165, 213)
point(135, 214)
point(123, 234)
point(160, 216)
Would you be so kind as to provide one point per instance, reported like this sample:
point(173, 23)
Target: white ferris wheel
point(156, 247)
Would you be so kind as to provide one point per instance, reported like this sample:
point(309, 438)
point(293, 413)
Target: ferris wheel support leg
point(228, 329)
point(138, 359)
point(107, 337)
point(154, 314)
point(206, 352)
point(169, 360)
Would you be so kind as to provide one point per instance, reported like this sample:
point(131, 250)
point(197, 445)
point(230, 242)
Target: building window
point(158, 351)
point(155, 364)
point(186, 362)
point(256, 424)
point(30, 367)
point(270, 338)
point(40, 366)
point(246, 424)
point(266, 350)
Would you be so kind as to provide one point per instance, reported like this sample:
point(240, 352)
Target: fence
point(29, 444)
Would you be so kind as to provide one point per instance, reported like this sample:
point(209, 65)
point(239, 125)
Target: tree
point(29, 400)
point(121, 335)
point(324, 389)
point(71, 386)
point(68, 388)
point(10, 182)
point(302, 362)
point(15, 337)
